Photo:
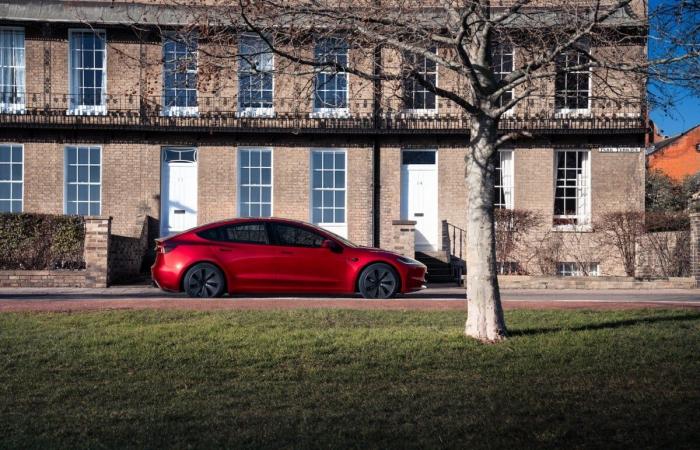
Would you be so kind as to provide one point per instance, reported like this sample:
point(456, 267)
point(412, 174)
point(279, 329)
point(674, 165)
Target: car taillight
point(165, 247)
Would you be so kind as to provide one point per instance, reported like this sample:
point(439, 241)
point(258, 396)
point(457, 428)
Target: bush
point(512, 227)
point(666, 194)
point(41, 241)
point(667, 221)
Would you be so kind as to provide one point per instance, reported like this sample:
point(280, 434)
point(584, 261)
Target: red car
point(277, 255)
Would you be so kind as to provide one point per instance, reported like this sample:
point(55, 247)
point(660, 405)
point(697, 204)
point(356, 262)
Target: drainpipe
point(376, 147)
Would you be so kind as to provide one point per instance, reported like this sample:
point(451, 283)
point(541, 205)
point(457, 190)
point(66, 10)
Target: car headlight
point(409, 261)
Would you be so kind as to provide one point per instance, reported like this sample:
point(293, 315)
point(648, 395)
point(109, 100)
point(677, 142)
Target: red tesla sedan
point(269, 255)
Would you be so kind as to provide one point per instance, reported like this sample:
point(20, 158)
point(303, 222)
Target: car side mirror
point(332, 246)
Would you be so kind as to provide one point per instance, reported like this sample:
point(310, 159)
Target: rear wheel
point(378, 281)
point(204, 280)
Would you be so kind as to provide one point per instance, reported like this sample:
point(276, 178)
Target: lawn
point(340, 378)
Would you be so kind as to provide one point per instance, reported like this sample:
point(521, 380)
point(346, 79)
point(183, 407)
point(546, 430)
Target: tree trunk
point(484, 312)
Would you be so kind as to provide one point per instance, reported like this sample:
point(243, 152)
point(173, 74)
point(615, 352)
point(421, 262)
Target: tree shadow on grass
point(609, 325)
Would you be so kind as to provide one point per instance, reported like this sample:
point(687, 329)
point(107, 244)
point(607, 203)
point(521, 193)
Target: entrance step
point(439, 270)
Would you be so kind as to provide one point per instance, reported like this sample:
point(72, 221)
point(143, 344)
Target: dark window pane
point(418, 157)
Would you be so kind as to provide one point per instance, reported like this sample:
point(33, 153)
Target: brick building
point(99, 120)
point(678, 156)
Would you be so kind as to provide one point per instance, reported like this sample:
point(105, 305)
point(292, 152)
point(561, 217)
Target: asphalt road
point(437, 298)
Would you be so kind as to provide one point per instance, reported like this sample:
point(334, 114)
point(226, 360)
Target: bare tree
point(395, 43)
point(622, 230)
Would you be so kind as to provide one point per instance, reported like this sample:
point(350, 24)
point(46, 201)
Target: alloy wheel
point(378, 281)
point(204, 281)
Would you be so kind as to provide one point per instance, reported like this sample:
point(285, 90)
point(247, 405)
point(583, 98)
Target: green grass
point(335, 378)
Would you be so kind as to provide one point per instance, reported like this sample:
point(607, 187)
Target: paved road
point(435, 298)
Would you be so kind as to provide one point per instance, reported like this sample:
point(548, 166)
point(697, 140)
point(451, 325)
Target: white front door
point(178, 190)
point(419, 196)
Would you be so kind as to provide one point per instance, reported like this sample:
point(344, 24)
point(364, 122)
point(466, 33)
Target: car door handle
point(286, 252)
point(179, 211)
point(418, 214)
point(221, 249)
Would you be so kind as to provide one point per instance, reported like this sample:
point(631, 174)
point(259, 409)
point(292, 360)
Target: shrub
point(667, 221)
point(512, 227)
point(622, 231)
point(41, 241)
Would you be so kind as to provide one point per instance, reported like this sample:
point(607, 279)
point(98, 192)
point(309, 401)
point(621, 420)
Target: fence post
point(445, 236)
point(97, 235)
point(694, 213)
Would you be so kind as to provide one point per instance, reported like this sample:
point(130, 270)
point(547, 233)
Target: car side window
point(297, 237)
point(244, 233)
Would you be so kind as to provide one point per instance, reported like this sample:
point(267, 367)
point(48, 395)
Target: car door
point(245, 253)
point(303, 264)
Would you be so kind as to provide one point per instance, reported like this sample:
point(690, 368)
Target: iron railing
point(212, 113)
point(454, 240)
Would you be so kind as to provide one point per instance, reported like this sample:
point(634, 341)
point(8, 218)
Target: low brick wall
point(42, 278)
point(539, 282)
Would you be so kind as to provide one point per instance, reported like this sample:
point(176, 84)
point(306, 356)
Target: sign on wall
point(620, 149)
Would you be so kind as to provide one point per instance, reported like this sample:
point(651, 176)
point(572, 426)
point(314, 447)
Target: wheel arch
point(183, 272)
point(393, 267)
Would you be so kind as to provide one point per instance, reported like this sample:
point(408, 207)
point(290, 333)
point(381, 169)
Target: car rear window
point(247, 233)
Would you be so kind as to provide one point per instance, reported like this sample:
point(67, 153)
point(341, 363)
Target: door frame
point(163, 165)
point(403, 196)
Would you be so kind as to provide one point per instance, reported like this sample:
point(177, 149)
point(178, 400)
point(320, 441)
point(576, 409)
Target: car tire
point(378, 281)
point(204, 280)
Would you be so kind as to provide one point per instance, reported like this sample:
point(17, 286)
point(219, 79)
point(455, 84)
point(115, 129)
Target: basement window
point(573, 269)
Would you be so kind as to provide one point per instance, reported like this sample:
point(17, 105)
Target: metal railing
point(214, 113)
point(454, 239)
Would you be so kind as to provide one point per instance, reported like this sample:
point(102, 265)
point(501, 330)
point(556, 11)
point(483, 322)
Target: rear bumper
point(164, 275)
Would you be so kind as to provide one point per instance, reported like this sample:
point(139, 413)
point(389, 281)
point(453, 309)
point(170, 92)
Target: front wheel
point(378, 281)
point(204, 280)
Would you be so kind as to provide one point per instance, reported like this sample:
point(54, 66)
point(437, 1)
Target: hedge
point(41, 241)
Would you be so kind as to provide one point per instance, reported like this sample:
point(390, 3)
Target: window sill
point(417, 113)
point(180, 111)
point(330, 113)
point(572, 113)
point(256, 112)
point(584, 228)
point(87, 111)
point(13, 108)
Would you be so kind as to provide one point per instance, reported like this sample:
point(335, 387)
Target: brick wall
point(694, 211)
point(403, 237)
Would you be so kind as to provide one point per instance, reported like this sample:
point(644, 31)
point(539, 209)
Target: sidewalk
point(441, 297)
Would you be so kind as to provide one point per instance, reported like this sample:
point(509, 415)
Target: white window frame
point(10, 180)
point(73, 88)
point(567, 112)
point(255, 111)
point(66, 183)
point(240, 184)
point(341, 112)
point(507, 182)
point(19, 106)
point(423, 111)
point(181, 111)
point(339, 228)
point(583, 194)
point(498, 71)
point(574, 269)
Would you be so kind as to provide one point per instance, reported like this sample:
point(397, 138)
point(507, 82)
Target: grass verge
point(340, 378)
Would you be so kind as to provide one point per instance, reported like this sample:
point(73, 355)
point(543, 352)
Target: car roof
point(254, 219)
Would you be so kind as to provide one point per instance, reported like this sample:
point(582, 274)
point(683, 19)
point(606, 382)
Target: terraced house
point(98, 117)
